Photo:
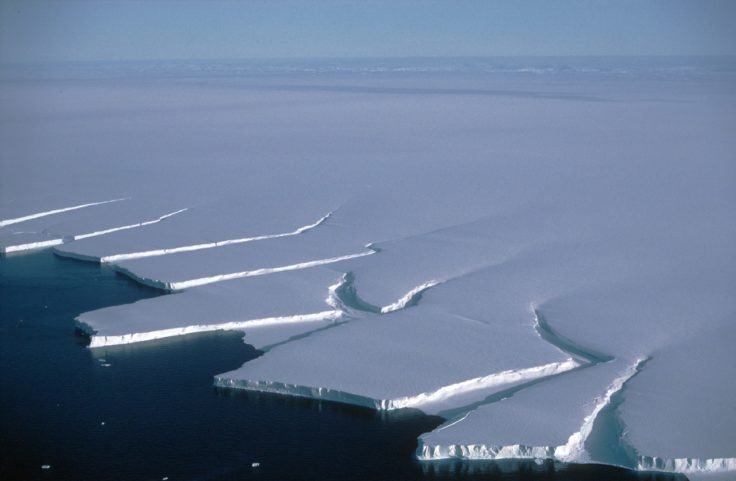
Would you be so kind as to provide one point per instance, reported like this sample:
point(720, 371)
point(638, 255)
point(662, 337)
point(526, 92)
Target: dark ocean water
point(149, 411)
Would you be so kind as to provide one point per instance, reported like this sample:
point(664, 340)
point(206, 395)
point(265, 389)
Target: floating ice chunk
point(391, 362)
point(270, 309)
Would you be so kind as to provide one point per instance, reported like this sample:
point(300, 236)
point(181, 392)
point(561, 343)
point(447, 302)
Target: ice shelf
point(500, 248)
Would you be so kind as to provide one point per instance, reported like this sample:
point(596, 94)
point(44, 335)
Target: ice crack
point(346, 295)
point(409, 299)
point(484, 382)
point(574, 449)
point(564, 344)
point(211, 245)
point(186, 284)
point(64, 240)
point(16, 220)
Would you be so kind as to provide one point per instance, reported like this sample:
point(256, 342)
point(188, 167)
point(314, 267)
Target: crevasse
point(24, 218)
point(210, 245)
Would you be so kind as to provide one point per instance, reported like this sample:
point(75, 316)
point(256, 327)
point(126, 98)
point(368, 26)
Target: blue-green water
point(149, 411)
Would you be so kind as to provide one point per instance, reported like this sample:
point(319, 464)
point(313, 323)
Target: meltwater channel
point(149, 412)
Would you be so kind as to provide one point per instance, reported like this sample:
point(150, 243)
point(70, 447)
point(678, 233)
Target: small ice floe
point(255, 465)
point(106, 364)
point(45, 466)
point(102, 423)
point(538, 461)
point(165, 478)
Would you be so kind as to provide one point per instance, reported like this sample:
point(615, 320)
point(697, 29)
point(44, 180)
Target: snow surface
point(468, 239)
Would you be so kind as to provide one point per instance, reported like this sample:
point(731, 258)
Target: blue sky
point(129, 30)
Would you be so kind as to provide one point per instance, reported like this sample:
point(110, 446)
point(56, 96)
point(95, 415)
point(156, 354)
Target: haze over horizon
point(41, 31)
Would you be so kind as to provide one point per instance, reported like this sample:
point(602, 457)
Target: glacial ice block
point(270, 309)
point(409, 358)
point(549, 419)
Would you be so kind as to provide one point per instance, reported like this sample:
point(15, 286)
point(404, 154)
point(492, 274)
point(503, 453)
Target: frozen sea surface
point(472, 239)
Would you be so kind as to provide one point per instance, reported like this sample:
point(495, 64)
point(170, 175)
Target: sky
point(32, 31)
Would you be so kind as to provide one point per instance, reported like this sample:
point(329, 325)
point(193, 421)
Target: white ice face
point(546, 259)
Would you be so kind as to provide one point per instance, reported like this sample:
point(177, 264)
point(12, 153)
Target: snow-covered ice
point(522, 426)
point(269, 309)
point(404, 359)
point(542, 256)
